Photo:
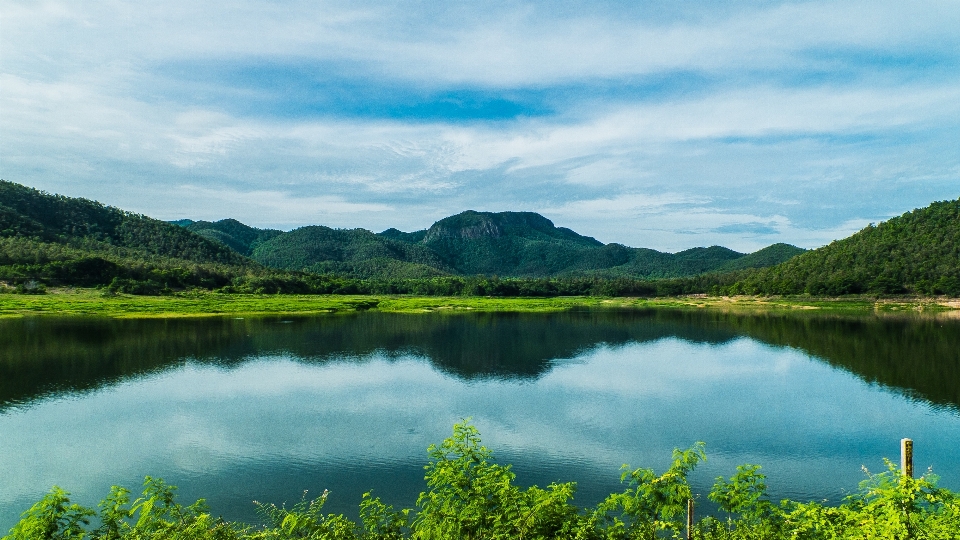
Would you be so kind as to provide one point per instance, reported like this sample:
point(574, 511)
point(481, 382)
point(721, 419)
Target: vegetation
point(515, 244)
point(356, 252)
point(26, 213)
point(239, 237)
point(766, 257)
point(918, 252)
point(470, 496)
point(198, 303)
point(119, 269)
point(521, 245)
point(51, 240)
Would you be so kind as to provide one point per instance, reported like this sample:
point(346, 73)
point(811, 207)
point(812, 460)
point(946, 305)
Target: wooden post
point(906, 457)
point(690, 519)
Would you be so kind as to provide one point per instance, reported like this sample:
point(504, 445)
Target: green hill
point(918, 252)
point(241, 238)
point(356, 252)
point(29, 213)
point(65, 240)
point(396, 234)
point(651, 264)
point(769, 256)
point(522, 244)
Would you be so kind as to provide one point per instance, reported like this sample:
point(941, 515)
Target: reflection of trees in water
point(917, 356)
point(42, 356)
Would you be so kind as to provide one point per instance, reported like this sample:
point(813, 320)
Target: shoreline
point(92, 303)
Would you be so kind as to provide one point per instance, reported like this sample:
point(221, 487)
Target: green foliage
point(91, 263)
point(769, 256)
point(381, 521)
point(56, 240)
point(30, 287)
point(29, 213)
point(305, 520)
point(887, 506)
point(471, 497)
point(52, 518)
point(652, 504)
point(918, 253)
point(322, 249)
point(744, 494)
point(154, 516)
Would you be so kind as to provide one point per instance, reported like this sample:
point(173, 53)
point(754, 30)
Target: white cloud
point(503, 45)
point(673, 222)
point(85, 113)
point(270, 206)
point(625, 205)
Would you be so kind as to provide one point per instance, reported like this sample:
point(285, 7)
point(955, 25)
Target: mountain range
point(56, 240)
point(505, 244)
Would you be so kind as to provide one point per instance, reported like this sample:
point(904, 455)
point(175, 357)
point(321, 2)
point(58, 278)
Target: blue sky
point(653, 124)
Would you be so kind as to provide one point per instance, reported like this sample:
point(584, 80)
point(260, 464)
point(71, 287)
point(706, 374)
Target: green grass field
point(91, 302)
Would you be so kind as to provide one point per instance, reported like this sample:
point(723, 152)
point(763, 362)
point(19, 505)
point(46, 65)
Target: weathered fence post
point(690, 518)
point(906, 457)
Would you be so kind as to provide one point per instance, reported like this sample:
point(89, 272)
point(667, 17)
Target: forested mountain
point(769, 256)
point(57, 240)
point(506, 244)
point(526, 244)
point(239, 237)
point(918, 252)
point(651, 264)
point(27, 213)
point(355, 252)
point(54, 239)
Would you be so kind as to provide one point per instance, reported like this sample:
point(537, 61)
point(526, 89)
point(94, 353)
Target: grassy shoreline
point(91, 302)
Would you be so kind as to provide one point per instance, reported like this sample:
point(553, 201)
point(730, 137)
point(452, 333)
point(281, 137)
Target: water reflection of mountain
point(39, 357)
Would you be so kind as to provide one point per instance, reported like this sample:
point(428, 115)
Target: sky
point(657, 124)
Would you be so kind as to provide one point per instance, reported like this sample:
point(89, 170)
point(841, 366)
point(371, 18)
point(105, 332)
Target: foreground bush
point(470, 497)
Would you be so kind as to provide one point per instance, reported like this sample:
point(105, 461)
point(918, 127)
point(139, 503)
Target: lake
point(236, 410)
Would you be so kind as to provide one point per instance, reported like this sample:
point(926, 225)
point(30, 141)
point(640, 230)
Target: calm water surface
point(234, 410)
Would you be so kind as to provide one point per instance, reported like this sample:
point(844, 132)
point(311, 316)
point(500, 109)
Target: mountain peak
point(469, 225)
point(473, 225)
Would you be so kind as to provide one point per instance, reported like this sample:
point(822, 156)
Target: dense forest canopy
point(26, 213)
point(56, 240)
point(918, 252)
point(241, 238)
